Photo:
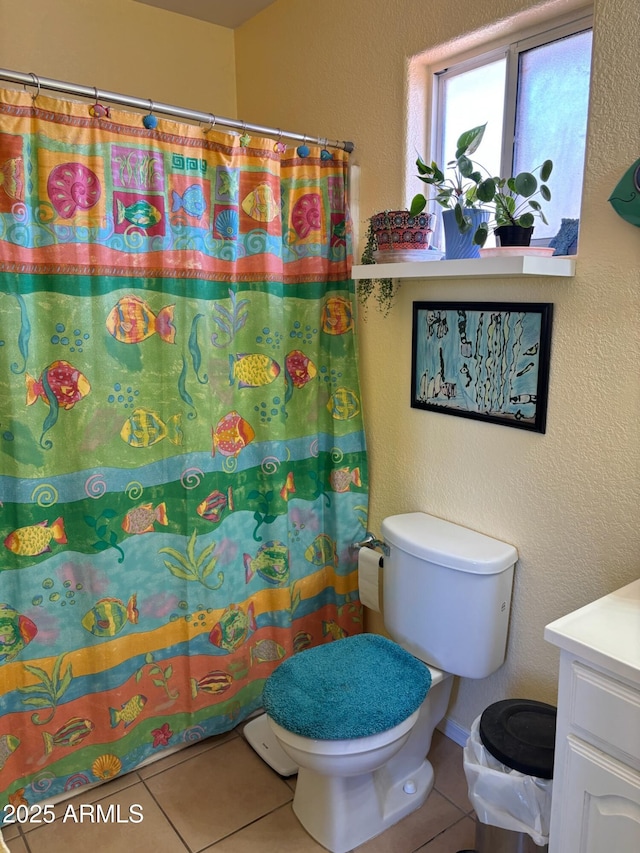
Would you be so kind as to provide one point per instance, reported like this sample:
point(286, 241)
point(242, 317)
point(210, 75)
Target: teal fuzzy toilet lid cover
point(350, 688)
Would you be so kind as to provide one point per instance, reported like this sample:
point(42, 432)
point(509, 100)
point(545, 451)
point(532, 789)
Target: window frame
point(510, 49)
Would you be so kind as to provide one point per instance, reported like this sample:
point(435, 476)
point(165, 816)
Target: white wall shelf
point(514, 265)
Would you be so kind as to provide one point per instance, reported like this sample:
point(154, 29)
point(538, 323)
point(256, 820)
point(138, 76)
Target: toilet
point(356, 716)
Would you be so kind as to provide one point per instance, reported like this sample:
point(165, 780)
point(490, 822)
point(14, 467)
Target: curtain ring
point(279, 146)
point(245, 139)
point(150, 121)
point(303, 150)
point(96, 110)
point(212, 123)
point(325, 154)
point(36, 82)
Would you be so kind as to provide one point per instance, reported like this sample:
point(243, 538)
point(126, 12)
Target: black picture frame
point(483, 360)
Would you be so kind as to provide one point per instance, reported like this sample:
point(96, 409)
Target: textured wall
point(568, 500)
point(122, 46)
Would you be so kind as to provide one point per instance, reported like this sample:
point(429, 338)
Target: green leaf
point(469, 141)
point(206, 553)
point(209, 568)
point(444, 196)
point(545, 170)
point(108, 513)
point(36, 702)
point(55, 672)
point(534, 204)
point(471, 196)
point(66, 681)
point(39, 673)
point(191, 546)
point(526, 220)
point(179, 572)
point(33, 688)
point(417, 205)
point(486, 190)
point(545, 192)
point(482, 232)
point(168, 672)
point(510, 204)
point(158, 682)
point(172, 553)
point(465, 166)
point(525, 184)
point(101, 546)
point(90, 520)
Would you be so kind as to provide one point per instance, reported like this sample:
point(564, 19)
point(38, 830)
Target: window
point(534, 95)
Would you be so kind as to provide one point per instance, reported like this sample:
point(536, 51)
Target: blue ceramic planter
point(458, 245)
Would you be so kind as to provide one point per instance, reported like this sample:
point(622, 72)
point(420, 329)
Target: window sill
point(518, 265)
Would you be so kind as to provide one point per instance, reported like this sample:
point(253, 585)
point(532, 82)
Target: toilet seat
point(344, 746)
point(355, 687)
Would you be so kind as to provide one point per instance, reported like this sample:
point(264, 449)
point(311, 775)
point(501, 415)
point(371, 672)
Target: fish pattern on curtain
point(182, 458)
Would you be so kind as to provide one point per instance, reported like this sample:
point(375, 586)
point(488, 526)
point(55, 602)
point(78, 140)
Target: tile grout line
point(164, 814)
point(440, 834)
point(242, 828)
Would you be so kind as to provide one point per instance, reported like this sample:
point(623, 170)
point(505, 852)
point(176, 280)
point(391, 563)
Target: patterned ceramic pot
point(395, 229)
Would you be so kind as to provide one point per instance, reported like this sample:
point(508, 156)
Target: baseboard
point(454, 731)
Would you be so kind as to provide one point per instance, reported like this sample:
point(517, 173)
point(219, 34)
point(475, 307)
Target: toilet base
point(261, 738)
point(376, 804)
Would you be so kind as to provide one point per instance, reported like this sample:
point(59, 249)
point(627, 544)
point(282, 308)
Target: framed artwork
point(483, 360)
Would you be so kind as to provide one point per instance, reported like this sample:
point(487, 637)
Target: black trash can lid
point(521, 734)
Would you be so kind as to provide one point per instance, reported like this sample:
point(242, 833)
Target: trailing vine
point(383, 290)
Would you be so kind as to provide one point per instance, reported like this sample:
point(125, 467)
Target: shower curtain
point(182, 457)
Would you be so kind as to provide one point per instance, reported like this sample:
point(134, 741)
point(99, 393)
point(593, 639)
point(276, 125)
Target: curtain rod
point(32, 79)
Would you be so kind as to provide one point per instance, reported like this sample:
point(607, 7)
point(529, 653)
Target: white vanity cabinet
point(596, 778)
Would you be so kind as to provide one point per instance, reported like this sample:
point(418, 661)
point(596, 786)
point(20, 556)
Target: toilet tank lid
point(447, 544)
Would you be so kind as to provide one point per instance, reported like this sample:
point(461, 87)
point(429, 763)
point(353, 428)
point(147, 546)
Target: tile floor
point(218, 796)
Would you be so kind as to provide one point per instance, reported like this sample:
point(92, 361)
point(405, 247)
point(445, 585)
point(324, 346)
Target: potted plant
point(458, 193)
point(514, 205)
point(401, 230)
point(398, 235)
point(383, 289)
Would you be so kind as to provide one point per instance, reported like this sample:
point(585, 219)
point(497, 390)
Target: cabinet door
point(600, 803)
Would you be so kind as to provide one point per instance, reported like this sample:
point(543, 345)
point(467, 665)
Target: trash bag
point(504, 797)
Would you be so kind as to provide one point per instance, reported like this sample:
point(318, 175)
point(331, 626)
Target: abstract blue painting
point(483, 360)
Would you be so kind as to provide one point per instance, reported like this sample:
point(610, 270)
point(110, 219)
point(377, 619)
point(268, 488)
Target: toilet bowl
point(350, 789)
point(349, 757)
point(347, 791)
point(357, 715)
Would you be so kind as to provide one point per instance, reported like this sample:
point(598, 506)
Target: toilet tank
point(447, 593)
